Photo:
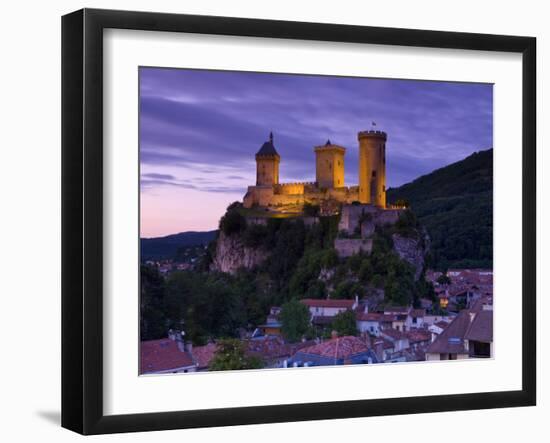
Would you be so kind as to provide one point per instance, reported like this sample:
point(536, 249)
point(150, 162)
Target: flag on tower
point(373, 123)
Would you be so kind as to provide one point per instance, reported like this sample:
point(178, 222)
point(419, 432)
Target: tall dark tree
point(344, 323)
point(294, 318)
point(153, 320)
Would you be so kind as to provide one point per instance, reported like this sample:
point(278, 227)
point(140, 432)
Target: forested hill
point(455, 204)
point(167, 247)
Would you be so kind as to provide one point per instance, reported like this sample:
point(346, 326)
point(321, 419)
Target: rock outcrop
point(346, 247)
point(412, 250)
point(231, 255)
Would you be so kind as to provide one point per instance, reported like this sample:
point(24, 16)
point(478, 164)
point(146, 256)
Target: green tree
point(348, 289)
point(232, 221)
point(294, 318)
point(254, 236)
point(208, 304)
point(344, 323)
point(407, 224)
point(396, 293)
point(455, 206)
point(153, 320)
point(305, 278)
point(287, 251)
point(231, 355)
point(365, 270)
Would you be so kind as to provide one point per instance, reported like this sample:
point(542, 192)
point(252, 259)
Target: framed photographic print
point(269, 221)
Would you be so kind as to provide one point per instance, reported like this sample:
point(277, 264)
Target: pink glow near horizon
point(184, 202)
point(170, 211)
point(200, 129)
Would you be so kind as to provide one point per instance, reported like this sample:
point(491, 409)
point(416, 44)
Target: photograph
point(257, 222)
point(293, 221)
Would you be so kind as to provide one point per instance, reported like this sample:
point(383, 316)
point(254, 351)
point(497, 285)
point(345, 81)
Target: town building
point(165, 356)
point(469, 335)
point(273, 350)
point(323, 311)
point(372, 322)
point(203, 355)
point(399, 339)
point(271, 328)
point(462, 288)
point(415, 319)
point(336, 351)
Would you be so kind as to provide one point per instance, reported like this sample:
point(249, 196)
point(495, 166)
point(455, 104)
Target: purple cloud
point(194, 118)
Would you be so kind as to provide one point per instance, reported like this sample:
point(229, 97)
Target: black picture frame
point(82, 218)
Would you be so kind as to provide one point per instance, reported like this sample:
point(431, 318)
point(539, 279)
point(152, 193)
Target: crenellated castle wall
point(297, 194)
point(291, 188)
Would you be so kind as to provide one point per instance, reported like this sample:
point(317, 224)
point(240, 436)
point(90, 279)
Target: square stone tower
point(329, 165)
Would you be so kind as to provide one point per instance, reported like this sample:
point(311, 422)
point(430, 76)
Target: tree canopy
point(230, 354)
point(455, 205)
point(344, 323)
point(294, 318)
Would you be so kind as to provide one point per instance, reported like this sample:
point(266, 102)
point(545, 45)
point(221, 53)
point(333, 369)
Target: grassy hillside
point(455, 204)
point(167, 247)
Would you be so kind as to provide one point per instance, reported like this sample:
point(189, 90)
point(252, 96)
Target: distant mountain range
point(167, 247)
point(455, 204)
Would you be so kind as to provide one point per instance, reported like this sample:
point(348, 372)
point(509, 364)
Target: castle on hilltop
point(329, 176)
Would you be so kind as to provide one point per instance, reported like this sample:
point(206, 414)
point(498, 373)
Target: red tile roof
point(204, 354)
point(397, 310)
point(471, 276)
point(269, 347)
point(376, 316)
point(393, 334)
point(451, 340)
point(418, 335)
point(418, 313)
point(481, 327)
point(324, 303)
point(455, 290)
point(371, 316)
point(337, 348)
point(162, 355)
point(478, 304)
point(384, 342)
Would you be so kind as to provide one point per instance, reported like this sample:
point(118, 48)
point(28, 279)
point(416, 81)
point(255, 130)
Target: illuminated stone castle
point(329, 176)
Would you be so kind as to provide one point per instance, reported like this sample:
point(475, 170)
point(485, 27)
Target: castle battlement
point(296, 184)
point(372, 133)
point(328, 146)
point(329, 183)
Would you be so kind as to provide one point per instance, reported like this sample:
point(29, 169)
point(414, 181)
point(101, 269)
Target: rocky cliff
point(231, 254)
point(413, 250)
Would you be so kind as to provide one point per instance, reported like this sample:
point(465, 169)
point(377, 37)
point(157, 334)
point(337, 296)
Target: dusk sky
point(200, 130)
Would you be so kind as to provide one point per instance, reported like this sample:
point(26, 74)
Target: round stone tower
point(329, 165)
point(372, 167)
point(267, 164)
